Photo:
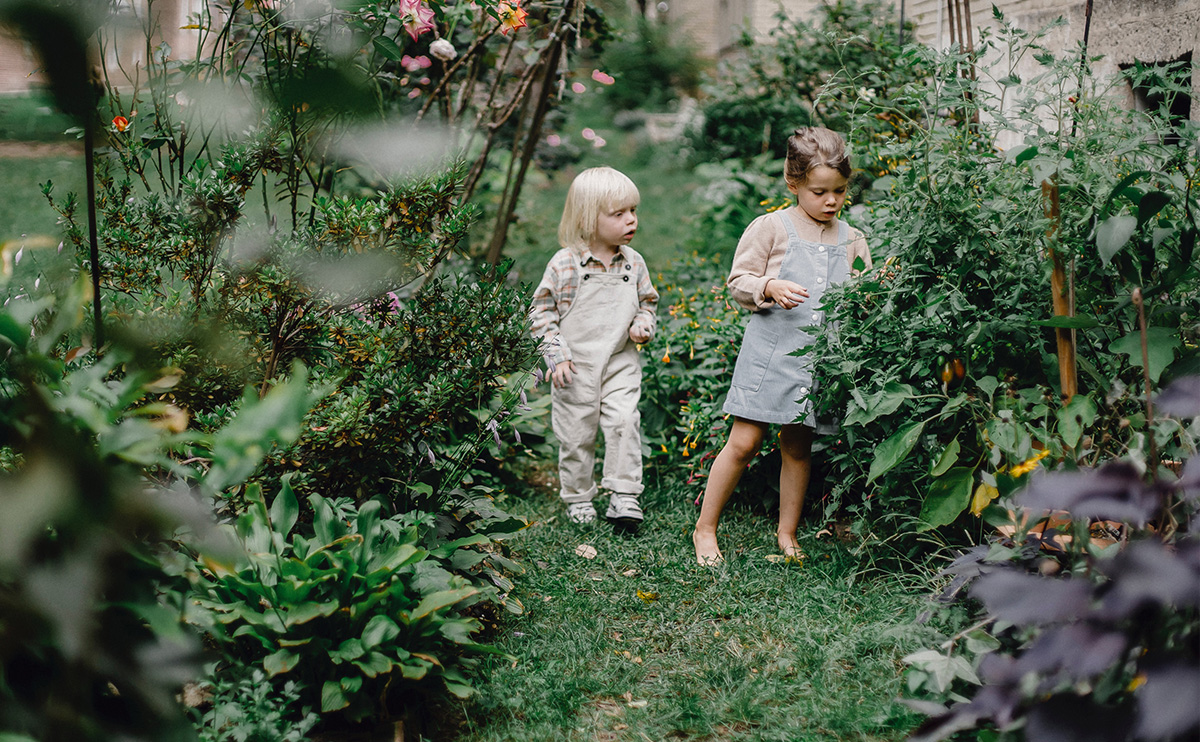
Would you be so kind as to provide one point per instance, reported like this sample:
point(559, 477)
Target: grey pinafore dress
point(769, 385)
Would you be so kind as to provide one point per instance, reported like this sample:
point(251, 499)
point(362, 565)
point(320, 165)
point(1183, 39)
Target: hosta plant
point(359, 613)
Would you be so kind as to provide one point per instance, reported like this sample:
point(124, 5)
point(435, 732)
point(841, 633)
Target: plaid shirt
point(560, 284)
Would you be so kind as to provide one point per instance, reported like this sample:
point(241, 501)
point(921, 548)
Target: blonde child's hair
point(810, 148)
point(592, 193)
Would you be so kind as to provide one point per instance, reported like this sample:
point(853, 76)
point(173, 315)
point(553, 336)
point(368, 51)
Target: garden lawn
point(640, 643)
point(23, 209)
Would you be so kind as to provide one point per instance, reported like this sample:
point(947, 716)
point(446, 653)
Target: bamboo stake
point(1060, 298)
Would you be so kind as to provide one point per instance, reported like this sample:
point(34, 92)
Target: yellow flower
point(1030, 464)
point(667, 356)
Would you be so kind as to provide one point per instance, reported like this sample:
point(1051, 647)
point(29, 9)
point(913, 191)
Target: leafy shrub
point(249, 709)
point(92, 645)
point(943, 364)
point(651, 66)
point(817, 72)
point(358, 614)
point(1091, 637)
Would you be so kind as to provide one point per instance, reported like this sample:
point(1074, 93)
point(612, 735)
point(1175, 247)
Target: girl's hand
point(639, 334)
point(563, 374)
point(786, 294)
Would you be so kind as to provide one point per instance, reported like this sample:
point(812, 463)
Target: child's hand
point(563, 374)
point(639, 334)
point(786, 294)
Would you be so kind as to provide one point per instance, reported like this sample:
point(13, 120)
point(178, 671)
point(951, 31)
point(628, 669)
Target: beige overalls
point(604, 392)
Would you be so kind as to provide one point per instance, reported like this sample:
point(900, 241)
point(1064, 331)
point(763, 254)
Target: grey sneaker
point(624, 510)
point(581, 512)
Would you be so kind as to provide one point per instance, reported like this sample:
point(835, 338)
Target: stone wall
point(1123, 31)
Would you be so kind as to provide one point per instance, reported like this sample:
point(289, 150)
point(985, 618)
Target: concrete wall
point(1123, 31)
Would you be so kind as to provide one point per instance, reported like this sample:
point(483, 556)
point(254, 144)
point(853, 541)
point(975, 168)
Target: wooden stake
point(1059, 295)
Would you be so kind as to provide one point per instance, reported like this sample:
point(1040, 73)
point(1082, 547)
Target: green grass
point(24, 210)
point(32, 118)
point(749, 650)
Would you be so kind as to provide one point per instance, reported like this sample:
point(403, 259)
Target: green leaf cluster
point(358, 613)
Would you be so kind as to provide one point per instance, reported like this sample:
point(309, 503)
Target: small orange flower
point(120, 123)
point(512, 16)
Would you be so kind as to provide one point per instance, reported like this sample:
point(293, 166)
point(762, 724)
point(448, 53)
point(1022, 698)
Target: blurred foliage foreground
point(265, 481)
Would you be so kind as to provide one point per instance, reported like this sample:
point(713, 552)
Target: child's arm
point(645, 322)
point(858, 249)
point(753, 283)
point(544, 315)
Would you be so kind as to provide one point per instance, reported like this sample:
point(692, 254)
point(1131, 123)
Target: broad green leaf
point(325, 524)
point(416, 670)
point(895, 449)
point(440, 600)
point(1112, 234)
point(367, 526)
point(1150, 204)
point(946, 460)
point(388, 48)
point(1073, 417)
point(979, 641)
point(942, 669)
point(351, 649)
point(375, 664)
point(446, 549)
point(379, 630)
point(947, 498)
point(280, 662)
point(1161, 343)
point(285, 510)
point(988, 386)
point(305, 612)
point(458, 630)
point(884, 402)
point(1078, 322)
point(332, 697)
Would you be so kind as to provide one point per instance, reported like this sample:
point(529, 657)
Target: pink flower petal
point(588, 134)
point(578, 87)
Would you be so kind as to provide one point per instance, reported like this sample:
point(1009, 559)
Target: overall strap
point(788, 225)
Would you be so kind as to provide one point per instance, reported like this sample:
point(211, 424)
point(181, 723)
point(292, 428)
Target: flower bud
point(443, 50)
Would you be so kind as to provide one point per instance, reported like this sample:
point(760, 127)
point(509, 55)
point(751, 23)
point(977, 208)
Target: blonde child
point(784, 262)
point(594, 304)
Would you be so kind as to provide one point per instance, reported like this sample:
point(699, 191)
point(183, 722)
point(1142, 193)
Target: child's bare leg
point(795, 447)
point(745, 438)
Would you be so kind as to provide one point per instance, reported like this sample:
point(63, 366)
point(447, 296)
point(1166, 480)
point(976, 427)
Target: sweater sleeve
point(858, 249)
point(750, 272)
point(545, 316)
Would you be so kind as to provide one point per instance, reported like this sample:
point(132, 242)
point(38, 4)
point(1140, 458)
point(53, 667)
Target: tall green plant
point(942, 363)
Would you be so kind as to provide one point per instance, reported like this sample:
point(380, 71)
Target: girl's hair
point(593, 192)
point(810, 148)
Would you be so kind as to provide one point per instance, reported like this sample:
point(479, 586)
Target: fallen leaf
point(630, 572)
point(586, 551)
point(638, 704)
point(647, 597)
